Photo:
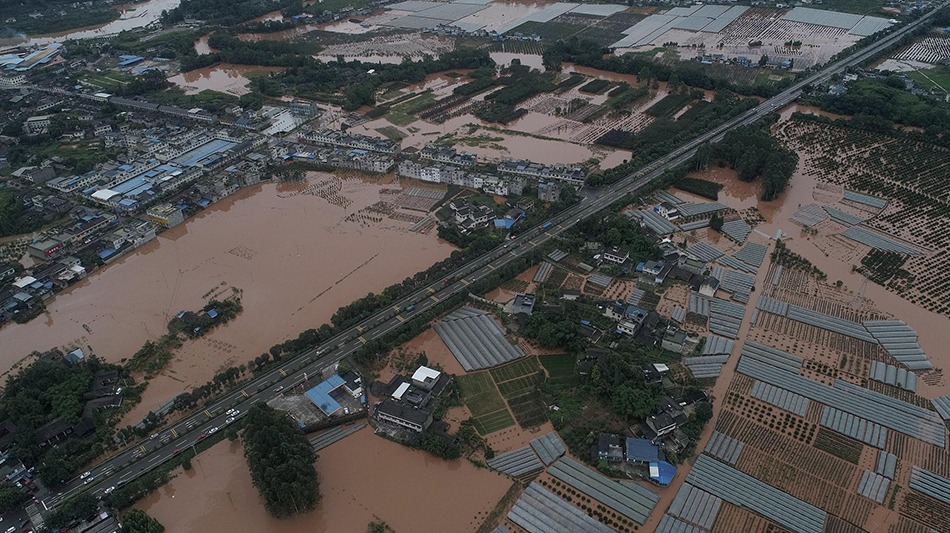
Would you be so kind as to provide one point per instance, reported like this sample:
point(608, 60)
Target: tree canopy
point(281, 461)
point(138, 521)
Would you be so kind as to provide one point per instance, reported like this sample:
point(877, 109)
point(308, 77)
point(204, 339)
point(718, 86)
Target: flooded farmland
point(223, 77)
point(362, 478)
point(803, 190)
point(294, 256)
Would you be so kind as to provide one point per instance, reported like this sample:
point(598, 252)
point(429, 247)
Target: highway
point(152, 452)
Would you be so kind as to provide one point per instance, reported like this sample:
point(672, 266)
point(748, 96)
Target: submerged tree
point(280, 459)
point(138, 521)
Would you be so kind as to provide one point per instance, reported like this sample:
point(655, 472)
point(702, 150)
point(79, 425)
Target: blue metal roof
point(664, 472)
point(642, 450)
point(320, 395)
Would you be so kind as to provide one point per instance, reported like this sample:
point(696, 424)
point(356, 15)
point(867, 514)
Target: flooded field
point(827, 253)
point(294, 256)
point(132, 16)
point(389, 48)
point(362, 478)
point(223, 77)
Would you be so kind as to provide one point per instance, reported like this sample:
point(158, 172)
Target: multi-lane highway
point(184, 434)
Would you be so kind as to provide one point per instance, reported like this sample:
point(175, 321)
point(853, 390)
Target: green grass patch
point(571, 81)
point(669, 105)
point(522, 367)
point(473, 384)
point(701, 187)
point(484, 403)
point(403, 114)
point(479, 394)
point(107, 81)
point(493, 422)
point(860, 7)
point(560, 367)
point(529, 410)
point(597, 86)
point(392, 133)
point(519, 386)
point(938, 77)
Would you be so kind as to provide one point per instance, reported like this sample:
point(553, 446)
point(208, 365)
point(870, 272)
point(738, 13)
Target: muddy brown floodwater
point(294, 257)
point(362, 478)
point(223, 77)
point(931, 327)
point(131, 16)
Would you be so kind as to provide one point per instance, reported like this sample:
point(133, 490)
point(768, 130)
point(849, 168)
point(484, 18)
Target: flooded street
point(294, 257)
point(362, 478)
point(223, 77)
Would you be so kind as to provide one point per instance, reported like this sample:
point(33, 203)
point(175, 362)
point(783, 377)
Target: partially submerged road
point(168, 443)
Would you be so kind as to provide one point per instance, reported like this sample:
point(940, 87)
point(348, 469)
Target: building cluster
point(338, 396)
point(409, 401)
point(644, 453)
point(104, 393)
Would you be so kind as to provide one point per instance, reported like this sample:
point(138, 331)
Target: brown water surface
point(131, 16)
point(223, 77)
point(294, 258)
point(362, 478)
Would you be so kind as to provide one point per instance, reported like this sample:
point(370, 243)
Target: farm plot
point(483, 401)
point(911, 176)
point(930, 49)
point(793, 479)
point(839, 445)
point(496, 421)
point(517, 378)
point(749, 26)
point(529, 410)
point(809, 459)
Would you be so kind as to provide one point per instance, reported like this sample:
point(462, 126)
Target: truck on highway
point(546, 225)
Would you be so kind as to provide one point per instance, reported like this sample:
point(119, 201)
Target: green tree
point(10, 497)
point(280, 459)
point(715, 222)
point(378, 526)
point(763, 60)
point(138, 521)
point(633, 403)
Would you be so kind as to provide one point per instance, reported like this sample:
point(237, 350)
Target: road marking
point(207, 412)
point(150, 460)
point(174, 434)
point(430, 289)
point(491, 267)
point(434, 299)
point(464, 282)
point(399, 318)
point(244, 393)
point(282, 372)
point(362, 339)
point(360, 328)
